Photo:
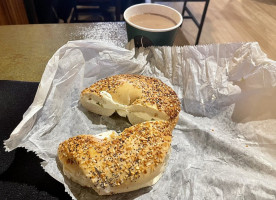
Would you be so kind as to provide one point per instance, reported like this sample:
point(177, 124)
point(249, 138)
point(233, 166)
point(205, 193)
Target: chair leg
point(76, 14)
point(184, 8)
point(202, 21)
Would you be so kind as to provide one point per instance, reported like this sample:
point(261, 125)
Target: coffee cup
point(152, 24)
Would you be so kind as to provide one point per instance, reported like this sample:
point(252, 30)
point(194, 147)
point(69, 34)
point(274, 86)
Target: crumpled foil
point(224, 145)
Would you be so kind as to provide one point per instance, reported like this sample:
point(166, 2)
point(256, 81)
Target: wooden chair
point(190, 15)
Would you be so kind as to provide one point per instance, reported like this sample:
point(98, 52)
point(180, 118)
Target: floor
point(234, 21)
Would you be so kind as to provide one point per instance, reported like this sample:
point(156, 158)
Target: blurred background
point(226, 20)
point(62, 11)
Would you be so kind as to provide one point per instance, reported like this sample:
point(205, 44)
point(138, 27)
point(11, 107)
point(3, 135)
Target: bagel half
point(137, 97)
point(118, 163)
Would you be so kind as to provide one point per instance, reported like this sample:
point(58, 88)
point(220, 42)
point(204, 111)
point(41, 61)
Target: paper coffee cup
point(144, 37)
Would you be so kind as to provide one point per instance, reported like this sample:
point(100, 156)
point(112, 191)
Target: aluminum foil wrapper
point(224, 145)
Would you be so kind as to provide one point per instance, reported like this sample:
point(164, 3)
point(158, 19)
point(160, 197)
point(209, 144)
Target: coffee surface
point(153, 21)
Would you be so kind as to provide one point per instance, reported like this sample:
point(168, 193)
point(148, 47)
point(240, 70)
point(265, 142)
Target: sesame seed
point(108, 167)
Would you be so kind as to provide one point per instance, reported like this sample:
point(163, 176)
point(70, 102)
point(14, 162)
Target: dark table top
point(21, 176)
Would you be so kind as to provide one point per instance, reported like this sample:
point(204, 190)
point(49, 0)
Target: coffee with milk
point(152, 21)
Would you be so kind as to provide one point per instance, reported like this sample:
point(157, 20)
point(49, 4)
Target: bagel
point(114, 163)
point(139, 98)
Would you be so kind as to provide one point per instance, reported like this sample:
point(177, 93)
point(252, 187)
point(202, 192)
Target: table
point(24, 53)
point(26, 49)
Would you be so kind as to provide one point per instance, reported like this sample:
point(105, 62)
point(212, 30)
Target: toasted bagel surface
point(134, 159)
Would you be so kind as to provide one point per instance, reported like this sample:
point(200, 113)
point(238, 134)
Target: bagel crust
point(140, 98)
point(118, 163)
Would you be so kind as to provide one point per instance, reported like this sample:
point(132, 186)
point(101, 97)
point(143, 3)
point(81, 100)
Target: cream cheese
point(105, 105)
point(109, 103)
point(105, 134)
point(123, 110)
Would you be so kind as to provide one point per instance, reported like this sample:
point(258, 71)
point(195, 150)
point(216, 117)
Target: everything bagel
point(111, 163)
point(118, 163)
point(139, 98)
